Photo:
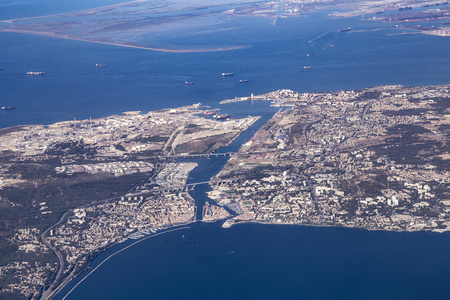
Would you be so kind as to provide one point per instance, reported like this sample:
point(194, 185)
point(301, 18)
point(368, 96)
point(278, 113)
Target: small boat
point(330, 45)
point(8, 107)
point(189, 83)
point(309, 55)
point(227, 74)
point(345, 29)
point(307, 67)
point(243, 80)
point(100, 66)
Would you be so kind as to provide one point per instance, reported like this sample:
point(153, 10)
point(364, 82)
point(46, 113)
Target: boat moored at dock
point(222, 117)
point(209, 113)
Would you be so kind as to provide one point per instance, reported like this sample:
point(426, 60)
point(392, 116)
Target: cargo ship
point(227, 74)
point(8, 107)
point(35, 73)
point(307, 67)
point(345, 29)
point(243, 80)
point(100, 66)
point(209, 113)
point(189, 83)
point(222, 117)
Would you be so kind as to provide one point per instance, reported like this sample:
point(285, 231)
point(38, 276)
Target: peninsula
point(376, 159)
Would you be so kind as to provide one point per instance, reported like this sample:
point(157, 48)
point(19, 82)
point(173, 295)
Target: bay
point(272, 58)
point(255, 261)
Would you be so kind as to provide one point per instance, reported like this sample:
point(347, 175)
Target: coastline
point(71, 276)
point(320, 184)
point(114, 216)
point(331, 226)
point(232, 221)
point(173, 228)
point(76, 272)
point(102, 250)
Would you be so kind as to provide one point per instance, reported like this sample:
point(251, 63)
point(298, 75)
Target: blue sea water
point(249, 261)
point(273, 58)
point(254, 261)
point(34, 8)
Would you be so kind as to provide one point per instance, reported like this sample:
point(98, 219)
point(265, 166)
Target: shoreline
point(169, 229)
point(81, 272)
point(66, 280)
point(333, 226)
point(62, 279)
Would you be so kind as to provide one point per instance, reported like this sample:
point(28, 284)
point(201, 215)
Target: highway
point(48, 293)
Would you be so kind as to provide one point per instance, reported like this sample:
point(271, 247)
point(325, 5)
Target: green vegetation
point(405, 112)
point(368, 95)
point(206, 145)
point(11, 129)
point(150, 139)
point(71, 148)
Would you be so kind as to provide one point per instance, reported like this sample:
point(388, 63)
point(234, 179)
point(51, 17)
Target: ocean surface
point(137, 79)
point(250, 261)
point(254, 261)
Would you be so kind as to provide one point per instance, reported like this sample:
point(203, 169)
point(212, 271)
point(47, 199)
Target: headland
point(376, 159)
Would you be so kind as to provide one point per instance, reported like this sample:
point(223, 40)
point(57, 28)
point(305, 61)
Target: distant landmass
point(130, 24)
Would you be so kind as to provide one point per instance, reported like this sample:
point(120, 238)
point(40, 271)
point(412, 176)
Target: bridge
point(186, 187)
point(191, 186)
point(187, 155)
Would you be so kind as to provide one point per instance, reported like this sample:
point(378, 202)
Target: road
point(48, 293)
point(361, 124)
